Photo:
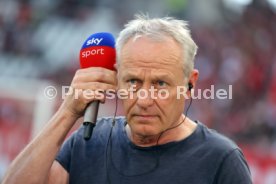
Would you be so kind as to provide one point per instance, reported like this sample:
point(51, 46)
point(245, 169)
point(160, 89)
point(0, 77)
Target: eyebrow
point(160, 76)
point(130, 74)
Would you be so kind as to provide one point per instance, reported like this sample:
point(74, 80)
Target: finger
point(94, 69)
point(104, 77)
point(96, 86)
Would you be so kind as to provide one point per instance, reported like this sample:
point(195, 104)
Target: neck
point(178, 133)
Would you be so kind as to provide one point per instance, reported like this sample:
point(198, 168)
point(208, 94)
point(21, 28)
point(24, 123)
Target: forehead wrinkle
point(165, 62)
point(151, 58)
point(162, 74)
point(146, 59)
point(157, 69)
point(153, 74)
point(139, 55)
point(132, 72)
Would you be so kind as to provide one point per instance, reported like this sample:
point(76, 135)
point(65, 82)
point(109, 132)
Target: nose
point(144, 98)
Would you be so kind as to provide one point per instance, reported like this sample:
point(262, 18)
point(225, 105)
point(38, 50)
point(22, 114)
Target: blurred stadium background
point(39, 47)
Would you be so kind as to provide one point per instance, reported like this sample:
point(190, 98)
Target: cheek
point(171, 105)
point(128, 104)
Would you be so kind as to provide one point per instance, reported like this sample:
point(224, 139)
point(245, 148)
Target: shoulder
point(215, 140)
point(222, 154)
point(211, 146)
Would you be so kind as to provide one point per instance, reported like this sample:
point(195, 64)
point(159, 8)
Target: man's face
point(149, 64)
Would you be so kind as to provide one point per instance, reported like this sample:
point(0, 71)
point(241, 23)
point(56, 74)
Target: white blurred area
point(40, 42)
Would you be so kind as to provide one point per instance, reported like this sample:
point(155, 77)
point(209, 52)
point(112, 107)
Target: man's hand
point(86, 87)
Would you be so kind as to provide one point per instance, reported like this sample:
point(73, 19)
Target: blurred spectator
point(241, 54)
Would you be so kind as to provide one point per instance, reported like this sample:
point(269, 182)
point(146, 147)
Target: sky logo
point(94, 41)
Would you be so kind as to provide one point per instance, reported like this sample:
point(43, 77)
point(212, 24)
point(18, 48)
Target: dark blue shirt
point(205, 157)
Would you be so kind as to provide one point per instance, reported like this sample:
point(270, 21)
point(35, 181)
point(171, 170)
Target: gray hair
point(159, 28)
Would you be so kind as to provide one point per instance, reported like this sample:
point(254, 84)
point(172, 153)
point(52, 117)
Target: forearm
point(32, 165)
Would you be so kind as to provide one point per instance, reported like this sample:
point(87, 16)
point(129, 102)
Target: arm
point(32, 165)
point(35, 164)
point(58, 175)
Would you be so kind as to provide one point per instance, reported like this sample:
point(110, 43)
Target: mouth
point(144, 116)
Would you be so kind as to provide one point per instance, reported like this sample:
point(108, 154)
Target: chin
point(145, 126)
point(144, 129)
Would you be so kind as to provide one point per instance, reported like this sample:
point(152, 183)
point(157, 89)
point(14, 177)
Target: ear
point(193, 77)
point(192, 81)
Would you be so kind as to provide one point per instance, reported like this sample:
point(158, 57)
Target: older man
point(155, 142)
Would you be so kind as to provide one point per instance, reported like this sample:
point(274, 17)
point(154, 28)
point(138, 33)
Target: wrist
point(67, 113)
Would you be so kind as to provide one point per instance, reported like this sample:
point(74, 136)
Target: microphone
point(98, 50)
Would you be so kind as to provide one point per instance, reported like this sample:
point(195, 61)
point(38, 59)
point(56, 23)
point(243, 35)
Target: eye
point(132, 81)
point(161, 83)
